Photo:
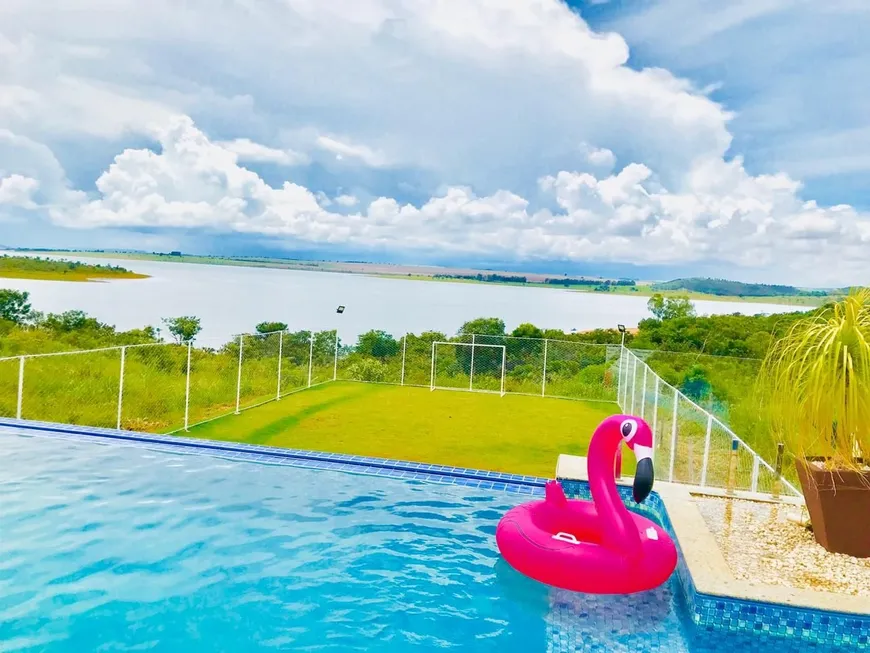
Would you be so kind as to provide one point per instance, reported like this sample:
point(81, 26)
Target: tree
point(184, 329)
point(270, 327)
point(670, 308)
point(527, 330)
point(695, 384)
point(14, 306)
point(69, 321)
point(484, 326)
point(379, 344)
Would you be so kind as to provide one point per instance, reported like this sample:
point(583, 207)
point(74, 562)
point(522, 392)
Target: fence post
point(643, 393)
point(707, 449)
point(280, 363)
point(655, 423)
point(239, 379)
point(187, 390)
point(471, 369)
point(335, 358)
point(121, 387)
point(732, 468)
point(310, 357)
point(633, 383)
point(674, 434)
point(432, 370)
point(20, 387)
point(755, 465)
point(503, 368)
point(404, 349)
point(777, 470)
point(625, 382)
point(544, 379)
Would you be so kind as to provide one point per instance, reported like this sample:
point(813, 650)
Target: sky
point(647, 138)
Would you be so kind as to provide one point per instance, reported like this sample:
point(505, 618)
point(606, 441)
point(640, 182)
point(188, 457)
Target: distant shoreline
point(19, 266)
point(420, 273)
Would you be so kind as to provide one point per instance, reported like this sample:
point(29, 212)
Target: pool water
point(105, 547)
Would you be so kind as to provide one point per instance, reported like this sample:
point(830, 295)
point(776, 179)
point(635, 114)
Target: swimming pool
point(105, 547)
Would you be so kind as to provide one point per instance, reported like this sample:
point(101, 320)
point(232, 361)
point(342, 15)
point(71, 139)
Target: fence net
point(9, 387)
point(213, 382)
point(295, 354)
point(77, 388)
point(165, 387)
point(152, 398)
point(692, 445)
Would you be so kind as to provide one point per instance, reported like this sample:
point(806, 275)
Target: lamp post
point(339, 311)
point(621, 328)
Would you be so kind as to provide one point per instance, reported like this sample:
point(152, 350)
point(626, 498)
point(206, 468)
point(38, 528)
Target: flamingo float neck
point(618, 531)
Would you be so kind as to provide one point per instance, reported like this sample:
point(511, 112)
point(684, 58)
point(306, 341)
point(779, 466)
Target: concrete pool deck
point(706, 561)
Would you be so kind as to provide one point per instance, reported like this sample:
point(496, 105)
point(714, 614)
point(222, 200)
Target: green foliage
point(368, 369)
point(378, 344)
point(670, 308)
point(695, 384)
point(14, 305)
point(69, 321)
point(36, 267)
point(725, 288)
point(527, 330)
point(488, 278)
point(484, 326)
point(816, 383)
point(270, 327)
point(717, 335)
point(184, 329)
point(601, 285)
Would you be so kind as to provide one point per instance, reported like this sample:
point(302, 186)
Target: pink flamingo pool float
point(597, 546)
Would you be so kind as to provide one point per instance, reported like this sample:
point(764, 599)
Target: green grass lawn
point(517, 434)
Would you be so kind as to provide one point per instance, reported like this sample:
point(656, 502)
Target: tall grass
point(815, 384)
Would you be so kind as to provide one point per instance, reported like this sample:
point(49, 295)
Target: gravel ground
point(761, 544)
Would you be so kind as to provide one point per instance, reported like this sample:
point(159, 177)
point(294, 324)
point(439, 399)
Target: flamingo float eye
point(628, 429)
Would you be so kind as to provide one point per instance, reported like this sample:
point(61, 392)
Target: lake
point(232, 299)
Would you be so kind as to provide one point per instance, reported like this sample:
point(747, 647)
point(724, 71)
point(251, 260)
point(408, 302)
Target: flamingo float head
point(637, 434)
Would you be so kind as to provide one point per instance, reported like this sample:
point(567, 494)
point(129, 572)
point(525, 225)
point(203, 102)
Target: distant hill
point(723, 287)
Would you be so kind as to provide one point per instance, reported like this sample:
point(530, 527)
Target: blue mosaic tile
point(708, 613)
point(730, 614)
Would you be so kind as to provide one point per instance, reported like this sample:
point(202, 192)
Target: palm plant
point(816, 384)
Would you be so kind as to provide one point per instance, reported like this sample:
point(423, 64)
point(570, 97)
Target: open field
point(24, 267)
point(427, 273)
point(516, 434)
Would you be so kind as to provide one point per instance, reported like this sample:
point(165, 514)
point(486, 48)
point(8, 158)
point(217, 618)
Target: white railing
point(699, 449)
point(165, 387)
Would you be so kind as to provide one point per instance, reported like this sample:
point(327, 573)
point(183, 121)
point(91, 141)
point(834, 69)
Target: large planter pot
point(839, 506)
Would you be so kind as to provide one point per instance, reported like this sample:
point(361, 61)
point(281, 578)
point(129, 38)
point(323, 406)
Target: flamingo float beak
point(645, 474)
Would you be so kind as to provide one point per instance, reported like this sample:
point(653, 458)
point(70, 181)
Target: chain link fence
point(165, 388)
point(693, 445)
point(485, 363)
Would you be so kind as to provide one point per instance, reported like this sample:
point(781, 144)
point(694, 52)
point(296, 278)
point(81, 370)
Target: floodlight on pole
point(621, 328)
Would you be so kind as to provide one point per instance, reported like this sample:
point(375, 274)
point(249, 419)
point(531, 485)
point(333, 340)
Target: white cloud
point(600, 156)
point(16, 190)
point(484, 101)
point(723, 214)
point(343, 150)
point(247, 150)
point(346, 200)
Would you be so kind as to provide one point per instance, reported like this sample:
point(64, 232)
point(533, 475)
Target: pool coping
point(710, 571)
point(716, 599)
point(712, 574)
